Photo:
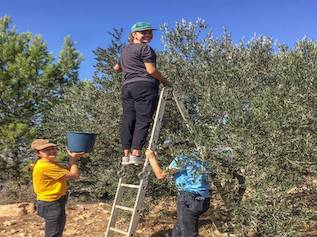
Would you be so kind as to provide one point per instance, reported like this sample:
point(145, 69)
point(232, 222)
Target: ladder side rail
point(181, 108)
point(184, 113)
point(114, 211)
point(137, 206)
point(157, 124)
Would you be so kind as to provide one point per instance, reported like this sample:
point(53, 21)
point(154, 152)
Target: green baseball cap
point(141, 26)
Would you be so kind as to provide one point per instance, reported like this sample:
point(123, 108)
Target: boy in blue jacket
point(193, 190)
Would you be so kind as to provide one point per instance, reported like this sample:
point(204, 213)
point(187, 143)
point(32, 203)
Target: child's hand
point(149, 152)
point(75, 155)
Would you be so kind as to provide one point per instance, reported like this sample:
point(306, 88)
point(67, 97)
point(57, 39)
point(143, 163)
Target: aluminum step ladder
point(167, 93)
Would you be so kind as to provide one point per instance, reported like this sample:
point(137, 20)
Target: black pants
point(139, 101)
point(54, 216)
point(189, 208)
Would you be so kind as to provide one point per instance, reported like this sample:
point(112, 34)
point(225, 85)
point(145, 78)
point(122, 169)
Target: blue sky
point(87, 22)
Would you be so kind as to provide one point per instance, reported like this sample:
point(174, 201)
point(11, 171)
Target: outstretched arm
point(74, 170)
point(158, 172)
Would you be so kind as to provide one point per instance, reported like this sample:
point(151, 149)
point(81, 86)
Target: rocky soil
point(90, 219)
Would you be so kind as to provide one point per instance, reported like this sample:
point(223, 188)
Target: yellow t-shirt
point(49, 180)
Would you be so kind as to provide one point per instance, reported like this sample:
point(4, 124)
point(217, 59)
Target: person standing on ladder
point(193, 190)
point(139, 91)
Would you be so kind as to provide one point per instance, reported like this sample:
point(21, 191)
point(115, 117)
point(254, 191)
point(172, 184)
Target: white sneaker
point(125, 160)
point(136, 160)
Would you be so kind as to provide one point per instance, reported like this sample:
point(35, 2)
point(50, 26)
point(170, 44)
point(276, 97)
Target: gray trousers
point(54, 216)
point(189, 208)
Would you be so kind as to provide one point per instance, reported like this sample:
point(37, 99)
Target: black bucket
point(81, 141)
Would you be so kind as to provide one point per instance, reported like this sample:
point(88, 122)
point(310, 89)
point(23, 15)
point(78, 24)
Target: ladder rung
point(130, 185)
point(124, 208)
point(118, 231)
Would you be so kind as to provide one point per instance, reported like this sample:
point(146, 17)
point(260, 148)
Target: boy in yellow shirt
point(49, 183)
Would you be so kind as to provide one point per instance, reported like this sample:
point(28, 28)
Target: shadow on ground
point(168, 232)
point(162, 233)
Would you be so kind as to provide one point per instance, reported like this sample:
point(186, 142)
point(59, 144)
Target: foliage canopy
point(256, 98)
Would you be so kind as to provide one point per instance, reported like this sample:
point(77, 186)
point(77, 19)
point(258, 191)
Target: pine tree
point(30, 84)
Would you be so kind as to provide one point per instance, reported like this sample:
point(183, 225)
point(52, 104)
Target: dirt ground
point(19, 220)
point(90, 220)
